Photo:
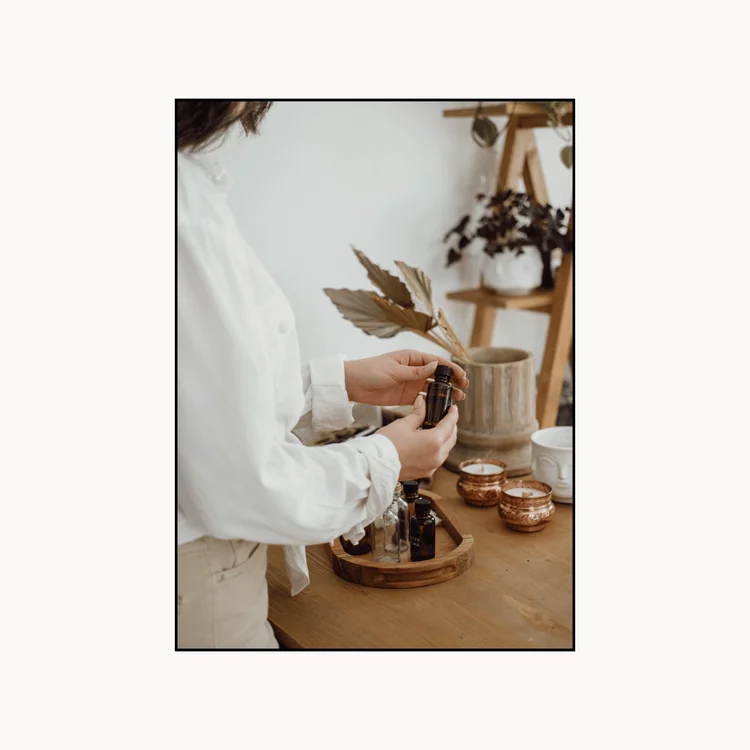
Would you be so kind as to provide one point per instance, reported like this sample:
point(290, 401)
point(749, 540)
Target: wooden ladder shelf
point(520, 160)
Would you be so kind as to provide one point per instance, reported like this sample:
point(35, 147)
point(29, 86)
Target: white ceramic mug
point(552, 461)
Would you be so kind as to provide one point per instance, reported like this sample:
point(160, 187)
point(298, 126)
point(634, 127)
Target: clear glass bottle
point(439, 395)
point(402, 512)
point(384, 536)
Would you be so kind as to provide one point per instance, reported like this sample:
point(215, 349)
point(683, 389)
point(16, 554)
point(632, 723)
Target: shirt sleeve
point(240, 475)
point(326, 399)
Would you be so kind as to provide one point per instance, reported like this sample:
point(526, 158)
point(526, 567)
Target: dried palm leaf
point(384, 317)
point(447, 328)
point(408, 318)
point(359, 308)
point(390, 285)
point(419, 285)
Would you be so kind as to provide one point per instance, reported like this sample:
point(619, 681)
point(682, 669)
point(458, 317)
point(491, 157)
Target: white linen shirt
point(241, 473)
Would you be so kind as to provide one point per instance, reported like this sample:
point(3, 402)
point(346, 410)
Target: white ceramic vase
point(513, 274)
point(552, 461)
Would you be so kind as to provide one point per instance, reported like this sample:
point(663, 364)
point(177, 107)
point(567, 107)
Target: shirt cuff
point(384, 467)
point(331, 409)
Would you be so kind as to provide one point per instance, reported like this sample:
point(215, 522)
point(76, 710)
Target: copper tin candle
point(526, 505)
point(481, 481)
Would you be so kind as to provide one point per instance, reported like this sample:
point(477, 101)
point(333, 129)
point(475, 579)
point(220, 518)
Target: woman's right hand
point(421, 452)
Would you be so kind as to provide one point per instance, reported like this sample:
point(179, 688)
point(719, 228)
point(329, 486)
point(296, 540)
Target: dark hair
point(200, 122)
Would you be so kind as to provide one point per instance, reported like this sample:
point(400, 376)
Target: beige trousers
point(222, 595)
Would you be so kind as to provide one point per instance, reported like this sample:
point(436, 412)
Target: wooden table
point(517, 594)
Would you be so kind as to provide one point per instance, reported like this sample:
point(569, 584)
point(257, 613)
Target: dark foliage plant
point(509, 222)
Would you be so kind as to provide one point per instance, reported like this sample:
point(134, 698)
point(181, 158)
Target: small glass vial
point(439, 394)
point(384, 536)
point(403, 514)
point(422, 531)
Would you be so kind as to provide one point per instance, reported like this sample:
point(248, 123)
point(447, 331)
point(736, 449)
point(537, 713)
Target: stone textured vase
point(498, 416)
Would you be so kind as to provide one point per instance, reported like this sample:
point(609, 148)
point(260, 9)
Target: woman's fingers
point(423, 358)
point(448, 446)
point(410, 372)
point(444, 428)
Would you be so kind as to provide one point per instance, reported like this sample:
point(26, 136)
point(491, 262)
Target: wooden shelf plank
point(527, 122)
point(503, 110)
point(540, 299)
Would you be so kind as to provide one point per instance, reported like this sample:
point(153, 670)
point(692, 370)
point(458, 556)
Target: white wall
point(390, 178)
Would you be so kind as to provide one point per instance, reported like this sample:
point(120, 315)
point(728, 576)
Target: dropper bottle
point(439, 394)
point(422, 531)
point(411, 493)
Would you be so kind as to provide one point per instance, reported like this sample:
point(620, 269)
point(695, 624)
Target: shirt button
point(283, 327)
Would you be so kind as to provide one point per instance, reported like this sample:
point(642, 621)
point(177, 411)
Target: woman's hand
point(421, 452)
point(396, 378)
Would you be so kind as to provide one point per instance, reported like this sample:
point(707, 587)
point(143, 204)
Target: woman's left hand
point(396, 378)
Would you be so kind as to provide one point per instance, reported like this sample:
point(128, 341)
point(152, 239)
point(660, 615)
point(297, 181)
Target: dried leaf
point(419, 285)
point(359, 308)
point(566, 155)
point(407, 318)
point(451, 334)
point(390, 285)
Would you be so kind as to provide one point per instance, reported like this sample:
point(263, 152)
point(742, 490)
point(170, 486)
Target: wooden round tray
point(454, 554)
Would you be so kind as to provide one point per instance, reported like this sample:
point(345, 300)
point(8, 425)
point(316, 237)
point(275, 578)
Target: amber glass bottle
point(439, 394)
point(357, 549)
point(422, 531)
point(411, 493)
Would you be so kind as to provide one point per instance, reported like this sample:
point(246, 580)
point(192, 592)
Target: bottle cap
point(411, 488)
point(443, 372)
point(422, 505)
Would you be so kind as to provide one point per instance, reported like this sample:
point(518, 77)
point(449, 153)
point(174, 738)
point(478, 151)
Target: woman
point(244, 480)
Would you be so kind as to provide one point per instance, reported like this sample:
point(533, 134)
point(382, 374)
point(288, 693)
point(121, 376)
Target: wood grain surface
point(557, 348)
point(523, 109)
point(517, 594)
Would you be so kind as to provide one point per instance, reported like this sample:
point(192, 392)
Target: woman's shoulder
point(198, 198)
